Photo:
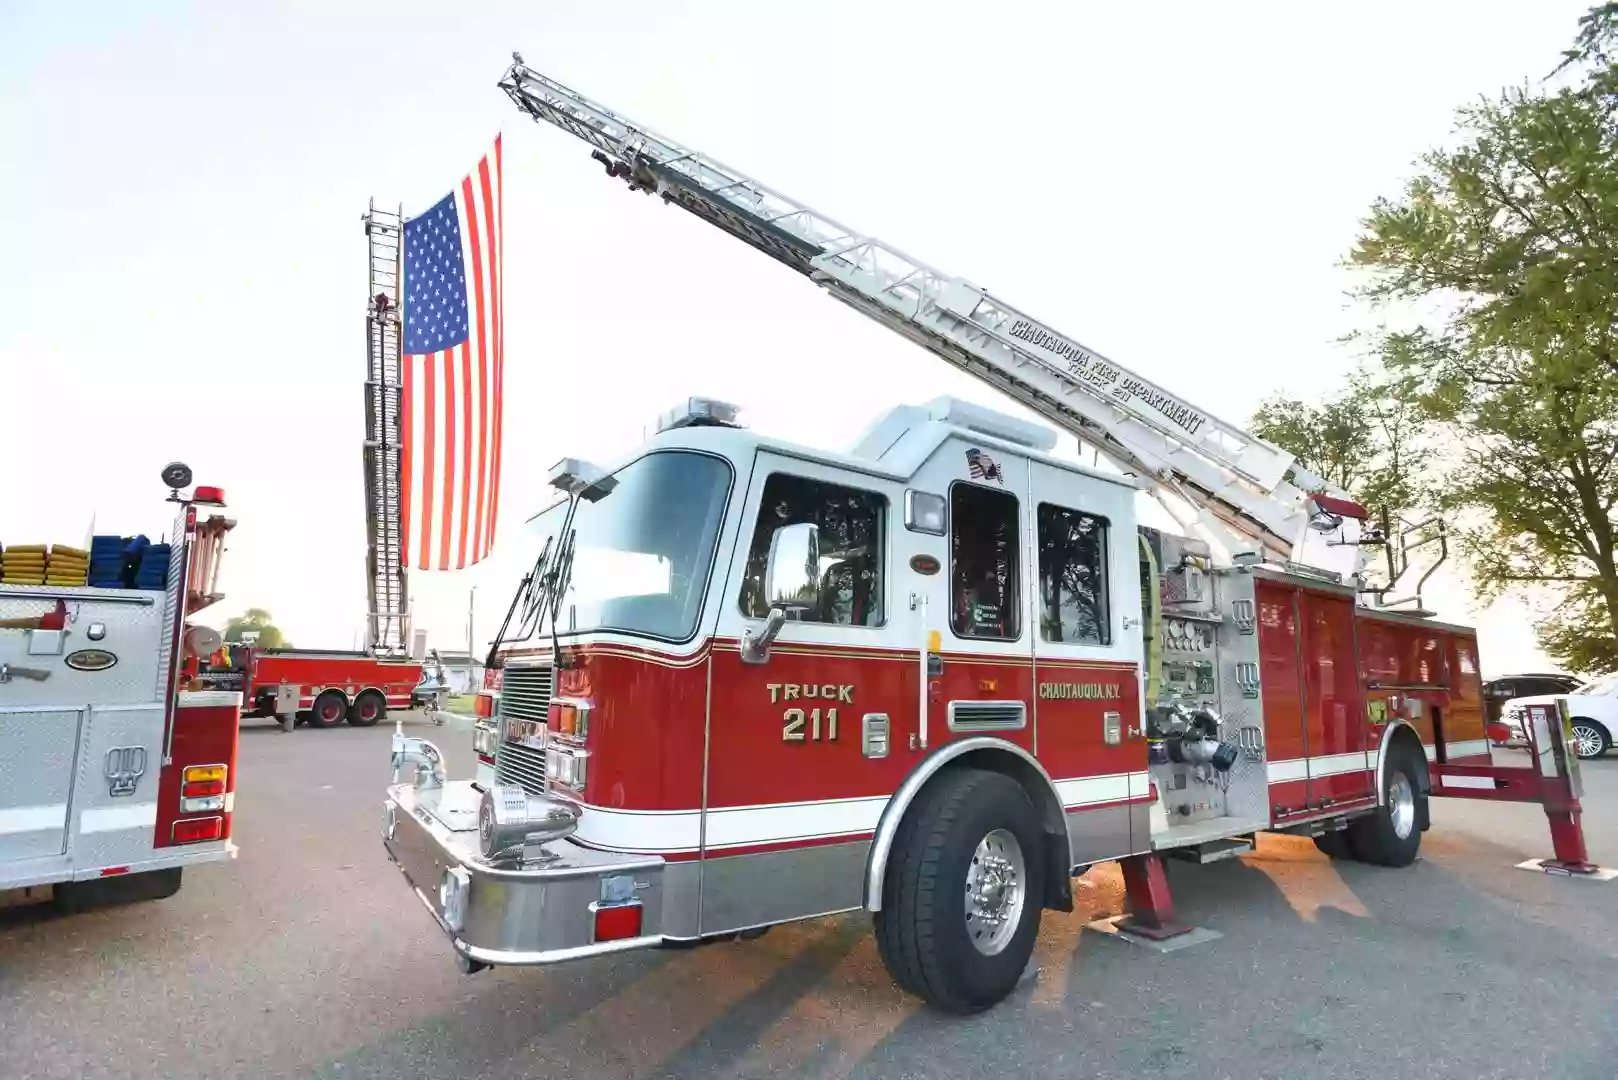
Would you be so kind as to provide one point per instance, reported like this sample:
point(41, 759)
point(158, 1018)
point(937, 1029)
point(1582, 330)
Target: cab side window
point(850, 522)
point(1073, 606)
point(984, 576)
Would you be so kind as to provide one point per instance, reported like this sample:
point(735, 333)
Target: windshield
point(642, 553)
point(1606, 686)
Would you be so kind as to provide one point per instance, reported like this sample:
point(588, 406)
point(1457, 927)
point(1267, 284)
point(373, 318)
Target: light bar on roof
point(996, 425)
point(700, 412)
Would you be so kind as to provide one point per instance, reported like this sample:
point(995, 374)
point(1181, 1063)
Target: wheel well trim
point(1047, 802)
point(1424, 777)
point(377, 690)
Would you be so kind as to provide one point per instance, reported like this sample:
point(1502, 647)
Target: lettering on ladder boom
point(811, 691)
point(1086, 365)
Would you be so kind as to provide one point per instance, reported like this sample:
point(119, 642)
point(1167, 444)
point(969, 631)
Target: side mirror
point(791, 582)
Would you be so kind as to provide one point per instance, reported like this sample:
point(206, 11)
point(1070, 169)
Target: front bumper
point(543, 912)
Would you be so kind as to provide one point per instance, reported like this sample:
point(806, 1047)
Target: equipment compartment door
point(37, 750)
point(1085, 617)
point(1334, 711)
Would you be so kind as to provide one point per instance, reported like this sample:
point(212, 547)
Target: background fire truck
point(323, 688)
point(749, 682)
point(116, 777)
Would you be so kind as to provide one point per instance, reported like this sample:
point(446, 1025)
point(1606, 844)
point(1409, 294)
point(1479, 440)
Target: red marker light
point(198, 830)
point(617, 922)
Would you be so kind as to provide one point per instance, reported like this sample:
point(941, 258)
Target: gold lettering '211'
point(812, 724)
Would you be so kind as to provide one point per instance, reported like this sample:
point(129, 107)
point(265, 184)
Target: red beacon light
point(207, 495)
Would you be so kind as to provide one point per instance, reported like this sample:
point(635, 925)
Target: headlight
point(566, 767)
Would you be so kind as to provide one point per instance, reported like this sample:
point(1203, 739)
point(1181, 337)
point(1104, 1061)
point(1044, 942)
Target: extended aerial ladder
point(1250, 498)
point(387, 629)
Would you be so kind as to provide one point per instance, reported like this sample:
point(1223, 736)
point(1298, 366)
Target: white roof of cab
point(899, 443)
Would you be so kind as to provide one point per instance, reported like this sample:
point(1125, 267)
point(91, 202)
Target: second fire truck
point(931, 677)
point(116, 775)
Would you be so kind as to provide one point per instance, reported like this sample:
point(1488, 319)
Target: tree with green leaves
point(1511, 236)
point(1364, 439)
point(260, 621)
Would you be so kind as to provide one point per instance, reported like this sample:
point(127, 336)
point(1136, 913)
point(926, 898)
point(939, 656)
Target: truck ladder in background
point(387, 629)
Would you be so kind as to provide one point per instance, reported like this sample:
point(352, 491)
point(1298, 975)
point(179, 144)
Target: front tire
point(963, 891)
point(1391, 836)
point(1591, 739)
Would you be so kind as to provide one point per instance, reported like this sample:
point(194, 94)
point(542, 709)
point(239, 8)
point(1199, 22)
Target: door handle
point(9, 672)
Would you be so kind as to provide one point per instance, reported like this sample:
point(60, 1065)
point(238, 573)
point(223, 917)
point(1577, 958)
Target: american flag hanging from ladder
point(450, 403)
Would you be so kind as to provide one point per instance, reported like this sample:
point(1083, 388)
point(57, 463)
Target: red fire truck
point(116, 776)
point(748, 682)
point(321, 687)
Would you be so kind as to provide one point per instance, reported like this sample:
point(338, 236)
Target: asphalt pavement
point(307, 958)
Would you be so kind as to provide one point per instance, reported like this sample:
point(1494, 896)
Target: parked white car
point(1595, 716)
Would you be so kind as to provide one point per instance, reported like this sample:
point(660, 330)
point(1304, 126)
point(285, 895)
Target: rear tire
point(330, 709)
point(1391, 836)
point(73, 897)
point(1334, 844)
point(963, 891)
point(368, 709)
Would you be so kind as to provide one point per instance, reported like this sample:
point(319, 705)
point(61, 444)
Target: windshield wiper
point(540, 593)
point(530, 598)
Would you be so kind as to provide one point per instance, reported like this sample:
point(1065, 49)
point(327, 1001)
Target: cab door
point(1085, 621)
point(804, 748)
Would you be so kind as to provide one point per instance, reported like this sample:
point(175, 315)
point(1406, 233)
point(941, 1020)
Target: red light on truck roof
point(208, 495)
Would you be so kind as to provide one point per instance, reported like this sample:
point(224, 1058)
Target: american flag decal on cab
point(983, 467)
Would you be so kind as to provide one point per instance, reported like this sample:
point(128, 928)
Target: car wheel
point(1590, 738)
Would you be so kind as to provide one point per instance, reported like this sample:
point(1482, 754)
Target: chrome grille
point(525, 698)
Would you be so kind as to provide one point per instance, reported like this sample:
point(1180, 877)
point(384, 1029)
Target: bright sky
point(184, 268)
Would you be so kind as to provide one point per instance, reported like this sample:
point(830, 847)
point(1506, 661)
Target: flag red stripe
point(478, 550)
point(447, 516)
point(496, 271)
point(429, 435)
point(406, 442)
point(466, 450)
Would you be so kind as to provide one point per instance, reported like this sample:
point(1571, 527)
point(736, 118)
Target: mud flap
point(1059, 881)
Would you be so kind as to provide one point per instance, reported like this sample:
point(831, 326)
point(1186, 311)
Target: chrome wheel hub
point(1401, 805)
point(994, 892)
point(1586, 741)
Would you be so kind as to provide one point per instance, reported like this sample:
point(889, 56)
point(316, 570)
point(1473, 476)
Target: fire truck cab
point(786, 683)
